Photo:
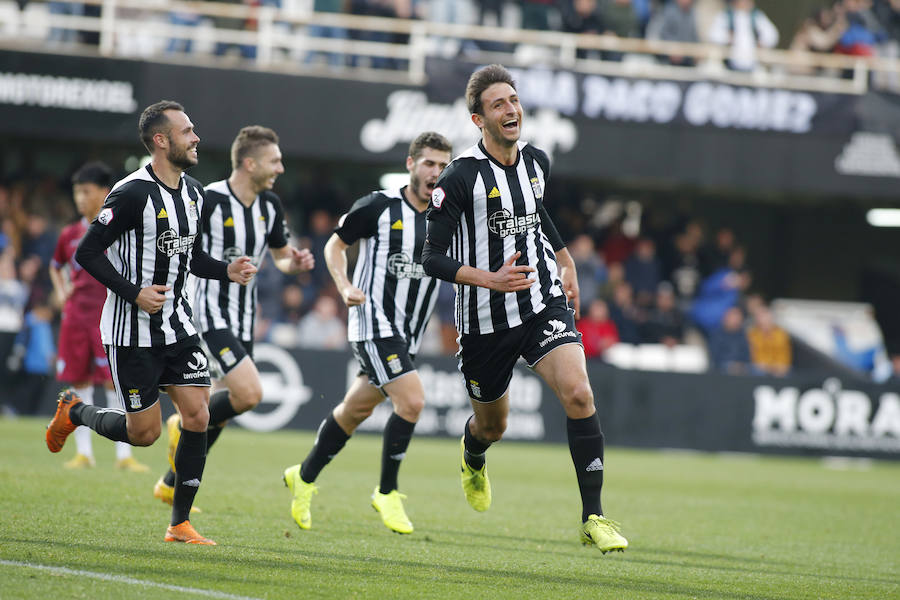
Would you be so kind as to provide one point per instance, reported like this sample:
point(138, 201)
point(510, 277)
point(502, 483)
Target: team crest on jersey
point(393, 363)
point(401, 266)
point(536, 187)
point(227, 356)
point(105, 217)
point(505, 224)
point(134, 398)
point(170, 243)
point(474, 388)
point(437, 197)
point(230, 254)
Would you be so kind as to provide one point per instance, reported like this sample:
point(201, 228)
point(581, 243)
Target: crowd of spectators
point(851, 27)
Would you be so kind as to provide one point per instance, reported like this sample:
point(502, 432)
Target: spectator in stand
point(186, 19)
point(665, 323)
point(729, 350)
point(644, 272)
point(770, 345)
point(589, 266)
point(536, 14)
point(598, 331)
point(321, 226)
point(321, 328)
point(642, 10)
point(616, 245)
point(13, 296)
point(819, 33)
point(888, 13)
point(626, 315)
point(615, 274)
point(715, 255)
point(620, 20)
point(582, 16)
point(334, 59)
point(863, 32)
point(719, 292)
point(32, 359)
point(682, 265)
point(675, 22)
point(487, 8)
point(744, 28)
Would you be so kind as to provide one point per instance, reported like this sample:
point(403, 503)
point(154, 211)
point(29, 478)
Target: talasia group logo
point(170, 243)
point(505, 224)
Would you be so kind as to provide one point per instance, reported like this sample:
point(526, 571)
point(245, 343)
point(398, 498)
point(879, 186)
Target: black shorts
point(383, 360)
point(139, 373)
point(226, 349)
point(487, 360)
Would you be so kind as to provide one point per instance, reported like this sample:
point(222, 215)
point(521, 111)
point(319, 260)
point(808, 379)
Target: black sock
point(108, 422)
point(190, 458)
point(169, 478)
point(329, 441)
point(586, 446)
point(475, 449)
point(397, 434)
point(220, 408)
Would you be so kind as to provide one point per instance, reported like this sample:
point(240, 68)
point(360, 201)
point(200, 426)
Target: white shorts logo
point(556, 327)
point(201, 362)
point(557, 331)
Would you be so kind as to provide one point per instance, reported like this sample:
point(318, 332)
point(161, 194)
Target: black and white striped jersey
point(231, 230)
point(494, 211)
point(149, 232)
point(400, 297)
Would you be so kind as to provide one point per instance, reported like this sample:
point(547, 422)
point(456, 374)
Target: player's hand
point(353, 296)
point(152, 298)
point(301, 260)
point(512, 277)
point(241, 270)
point(570, 288)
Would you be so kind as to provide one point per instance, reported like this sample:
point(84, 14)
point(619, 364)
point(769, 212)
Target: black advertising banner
point(710, 412)
point(699, 133)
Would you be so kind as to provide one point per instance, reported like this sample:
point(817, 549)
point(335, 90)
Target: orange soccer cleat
point(185, 532)
point(62, 426)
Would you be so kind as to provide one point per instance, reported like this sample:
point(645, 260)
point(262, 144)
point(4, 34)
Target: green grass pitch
point(700, 526)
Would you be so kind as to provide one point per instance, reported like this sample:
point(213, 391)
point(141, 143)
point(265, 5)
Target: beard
point(179, 157)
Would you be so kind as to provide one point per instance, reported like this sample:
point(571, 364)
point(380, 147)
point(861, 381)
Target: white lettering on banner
point(74, 93)
point(447, 404)
point(627, 100)
point(827, 418)
point(282, 384)
point(762, 109)
point(410, 113)
point(533, 85)
point(869, 154)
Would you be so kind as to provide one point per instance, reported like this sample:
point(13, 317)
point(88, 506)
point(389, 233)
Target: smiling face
point(424, 172)
point(264, 167)
point(181, 141)
point(501, 115)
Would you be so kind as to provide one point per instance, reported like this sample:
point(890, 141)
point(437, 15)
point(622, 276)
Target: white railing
point(280, 42)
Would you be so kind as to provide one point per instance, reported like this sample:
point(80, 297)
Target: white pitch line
point(123, 579)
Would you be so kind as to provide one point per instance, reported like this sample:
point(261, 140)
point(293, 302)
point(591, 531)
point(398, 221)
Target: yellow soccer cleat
point(166, 493)
point(131, 465)
point(303, 493)
point(61, 426)
point(475, 484)
point(80, 461)
point(603, 533)
point(173, 429)
point(390, 506)
point(185, 532)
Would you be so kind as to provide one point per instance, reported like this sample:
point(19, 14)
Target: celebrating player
point(513, 276)
point(151, 225)
point(242, 216)
point(390, 300)
point(82, 361)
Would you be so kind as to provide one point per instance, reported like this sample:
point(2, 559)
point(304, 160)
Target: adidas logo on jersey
point(596, 465)
point(495, 193)
point(162, 214)
point(398, 224)
point(229, 222)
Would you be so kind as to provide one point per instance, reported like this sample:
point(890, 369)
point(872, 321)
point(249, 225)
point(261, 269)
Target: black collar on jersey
point(173, 191)
point(235, 196)
point(497, 162)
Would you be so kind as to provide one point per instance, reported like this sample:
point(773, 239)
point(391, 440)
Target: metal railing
point(279, 40)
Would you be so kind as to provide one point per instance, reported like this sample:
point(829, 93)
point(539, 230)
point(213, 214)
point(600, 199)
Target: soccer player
point(82, 362)
point(513, 276)
point(242, 216)
point(150, 223)
point(390, 299)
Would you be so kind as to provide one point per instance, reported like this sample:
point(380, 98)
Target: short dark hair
point(481, 80)
point(429, 139)
point(248, 140)
point(95, 172)
point(153, 120)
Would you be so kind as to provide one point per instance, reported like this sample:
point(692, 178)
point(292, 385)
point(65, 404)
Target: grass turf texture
point(699, 525)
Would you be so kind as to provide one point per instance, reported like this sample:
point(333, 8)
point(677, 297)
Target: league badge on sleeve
point(106, 216)
point(437, 197)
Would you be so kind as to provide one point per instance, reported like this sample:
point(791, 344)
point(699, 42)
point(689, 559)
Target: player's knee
point(359, 412)
point(195, 419)
point(143, 437)
point(247, 397)
point(492, 432)
point(410, 408)
point(577, 395)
